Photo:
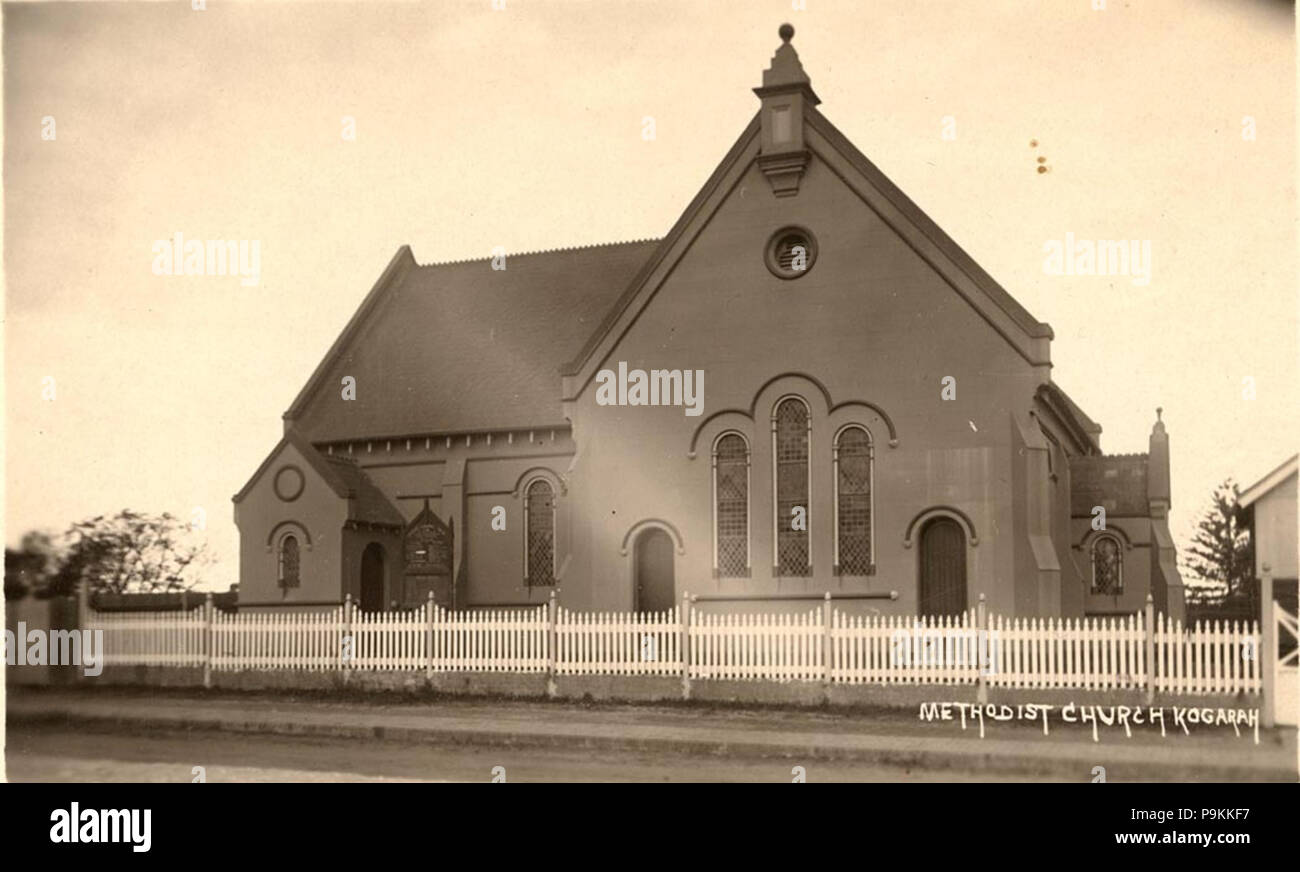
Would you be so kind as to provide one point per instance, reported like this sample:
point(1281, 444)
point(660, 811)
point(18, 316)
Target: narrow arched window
point(288, 562)
point(731, 506)
point(539, 534)
point(792, 515)
point(853, 515)
point(1107, 566)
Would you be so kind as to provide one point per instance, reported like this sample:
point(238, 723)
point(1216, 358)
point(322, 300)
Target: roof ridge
point(541, 251)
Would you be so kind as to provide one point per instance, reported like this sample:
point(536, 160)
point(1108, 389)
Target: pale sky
point(522, 128)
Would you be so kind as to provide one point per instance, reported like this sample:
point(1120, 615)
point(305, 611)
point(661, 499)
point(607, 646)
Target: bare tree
point(130, 552)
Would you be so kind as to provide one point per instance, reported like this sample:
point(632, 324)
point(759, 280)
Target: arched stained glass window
point(288, 560)
point(731, 506)
point(539, 519)
point(790, 431)
point(1107, 566)
point(853, 501)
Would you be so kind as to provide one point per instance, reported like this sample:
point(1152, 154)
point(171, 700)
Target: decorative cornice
point(784, 171)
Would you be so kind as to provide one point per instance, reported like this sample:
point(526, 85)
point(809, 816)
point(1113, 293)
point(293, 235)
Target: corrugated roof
point(461, 346)
point(366, 502)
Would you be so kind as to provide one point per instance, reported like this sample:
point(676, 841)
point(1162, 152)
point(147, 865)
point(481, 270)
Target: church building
point(805, 386)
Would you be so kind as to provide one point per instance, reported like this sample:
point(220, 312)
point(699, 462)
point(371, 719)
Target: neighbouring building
point(1268, 510)
point(805, 386)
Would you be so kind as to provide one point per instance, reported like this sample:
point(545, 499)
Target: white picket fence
point(780, 647)
point(152, 638)
point(1082, 653)
point(599, 643)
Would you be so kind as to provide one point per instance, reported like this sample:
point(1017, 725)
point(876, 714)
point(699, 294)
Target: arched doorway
point(654, 579)
point(372, 578)
point(943, 568)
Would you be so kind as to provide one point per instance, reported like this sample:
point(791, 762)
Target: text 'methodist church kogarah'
point(873, 413)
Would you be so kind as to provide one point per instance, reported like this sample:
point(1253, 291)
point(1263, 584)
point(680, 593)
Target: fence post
point(428, 637)
point(983, 649)
point(347, 645)
point(826, 641)
point(209, 640)
point(83, 624)
point(684, 644)
point(552, 646)
point(1149, 631)
point(83, 606)
point(1267, 658)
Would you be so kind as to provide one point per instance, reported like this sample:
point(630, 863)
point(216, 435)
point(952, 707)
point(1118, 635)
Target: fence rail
point(1140, 651)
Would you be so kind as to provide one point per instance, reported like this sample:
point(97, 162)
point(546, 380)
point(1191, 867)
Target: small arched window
point(1107, 566)
point(731, 506)
point(853, 515)
point(539, 534)
point(792, 513)
point(288, 562)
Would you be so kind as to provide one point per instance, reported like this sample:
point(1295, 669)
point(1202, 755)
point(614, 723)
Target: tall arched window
point(539, 534)
point(853, 515)
point(731, 506)
point(791, 426)
point(1107, 566)
point(288, 562)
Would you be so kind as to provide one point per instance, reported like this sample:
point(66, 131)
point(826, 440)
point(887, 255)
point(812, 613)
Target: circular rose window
point(791, 252)
point(289, 483)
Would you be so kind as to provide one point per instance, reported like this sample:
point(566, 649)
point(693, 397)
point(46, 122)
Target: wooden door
point(372, 578)
point(943, 568)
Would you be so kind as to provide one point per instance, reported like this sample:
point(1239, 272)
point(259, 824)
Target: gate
point(1287, 680)
point(1281, 670)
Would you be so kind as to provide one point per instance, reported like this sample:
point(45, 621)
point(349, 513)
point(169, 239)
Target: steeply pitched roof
point(366, 503)
point(461, 346)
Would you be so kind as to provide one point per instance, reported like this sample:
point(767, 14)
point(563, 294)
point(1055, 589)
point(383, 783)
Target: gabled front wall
point(1275, 530)
point(871, 322)
point(318, 515)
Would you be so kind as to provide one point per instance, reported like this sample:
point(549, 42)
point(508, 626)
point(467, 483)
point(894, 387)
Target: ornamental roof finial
point(786, 71)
